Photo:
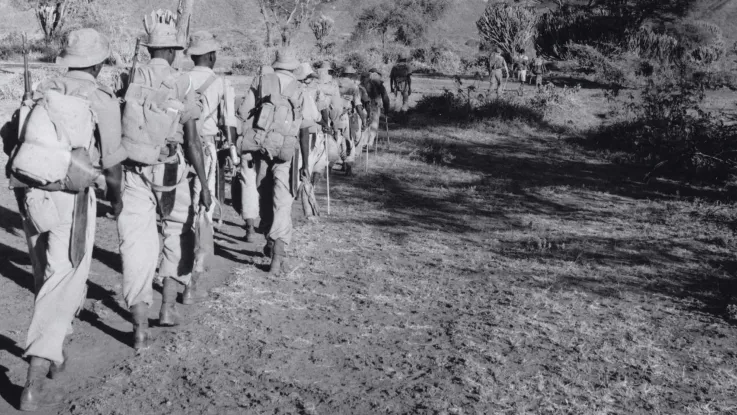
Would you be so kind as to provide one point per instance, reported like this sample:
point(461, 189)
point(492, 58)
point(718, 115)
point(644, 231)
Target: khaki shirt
point(328, 93)
point(350, 92)
point(211, 101)
point(310, 114)
point(158, 71)
point(107, 150)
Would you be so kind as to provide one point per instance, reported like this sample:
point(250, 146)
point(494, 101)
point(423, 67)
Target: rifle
point(22, 114)
point(28, 93)
point(134, 63)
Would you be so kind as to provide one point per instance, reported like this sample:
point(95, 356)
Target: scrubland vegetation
point(563, 250)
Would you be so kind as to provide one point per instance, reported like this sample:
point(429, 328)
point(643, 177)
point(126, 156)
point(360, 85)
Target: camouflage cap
point(84, 48)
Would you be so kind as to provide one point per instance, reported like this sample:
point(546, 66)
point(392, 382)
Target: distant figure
point(524, 67)
point(376, 100)
point(497, 65)
point(400, 81)
point(538, 69)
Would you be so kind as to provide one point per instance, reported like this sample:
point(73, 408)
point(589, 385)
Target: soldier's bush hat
point(304, 71)
point(202, 42)
point(161, 30)
point(285, 60)
point(84, 48)
point(349, 70)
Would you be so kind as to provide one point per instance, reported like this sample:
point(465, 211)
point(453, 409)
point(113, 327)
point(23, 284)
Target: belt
point(208, 139)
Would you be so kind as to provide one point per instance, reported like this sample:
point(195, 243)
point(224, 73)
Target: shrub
point(671, 132)
point(509, 27)
point(549, 98)
point(606, 70)
point(435, 151)
point(255, 56)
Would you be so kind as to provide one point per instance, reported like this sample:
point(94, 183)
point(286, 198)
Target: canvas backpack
point(150, 119)
point(52, 136)
point(276, 118)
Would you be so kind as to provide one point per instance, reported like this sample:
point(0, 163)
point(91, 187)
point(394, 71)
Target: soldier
point(377, 98)
point(400, 81)
point(64, 247)
point(311, 141)
point(270, 132)
point(538, 69)
point(353, 117)
point(330, 106)
point(246, 186)
point(497, 64)
point(162, 146)
point(215, 127)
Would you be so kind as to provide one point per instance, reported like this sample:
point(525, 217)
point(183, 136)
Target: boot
point(168, 314)
point(57, 369)
point(269, 248)
point(250, 231)
point(191, 293)
point(280, 255)
point(34, 395)
point(141, 335)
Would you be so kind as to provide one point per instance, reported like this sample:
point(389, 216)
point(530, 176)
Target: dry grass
point(522, 277)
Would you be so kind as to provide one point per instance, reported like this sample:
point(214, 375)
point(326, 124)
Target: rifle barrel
point(132, 73)
point(27, 93)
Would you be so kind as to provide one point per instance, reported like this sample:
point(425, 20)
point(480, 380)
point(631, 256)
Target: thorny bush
point(672, 133)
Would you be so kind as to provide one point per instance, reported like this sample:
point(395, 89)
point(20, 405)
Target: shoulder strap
point(211, 80)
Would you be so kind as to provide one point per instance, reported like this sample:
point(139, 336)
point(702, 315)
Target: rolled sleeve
point(191, 110)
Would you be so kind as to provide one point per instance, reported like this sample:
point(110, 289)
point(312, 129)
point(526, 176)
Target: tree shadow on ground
point(533, 179)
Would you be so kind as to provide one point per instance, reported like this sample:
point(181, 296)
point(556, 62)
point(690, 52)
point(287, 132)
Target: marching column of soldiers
point(155, 146)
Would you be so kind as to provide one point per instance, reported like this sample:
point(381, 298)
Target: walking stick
point(367, 155)
point(388, 139)
point(327, 178)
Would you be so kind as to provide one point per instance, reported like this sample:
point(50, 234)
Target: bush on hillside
point(469, 105)
point(670, 132)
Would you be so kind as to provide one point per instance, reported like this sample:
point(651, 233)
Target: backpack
point(56, 126)
point(276, 118)
point(150, 118)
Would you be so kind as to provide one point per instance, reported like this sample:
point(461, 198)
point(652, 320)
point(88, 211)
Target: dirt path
point(519, 276)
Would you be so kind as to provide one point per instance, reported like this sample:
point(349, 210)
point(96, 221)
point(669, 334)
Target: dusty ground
point(522, 276)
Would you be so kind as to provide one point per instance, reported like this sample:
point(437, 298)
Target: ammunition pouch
point(41, 211)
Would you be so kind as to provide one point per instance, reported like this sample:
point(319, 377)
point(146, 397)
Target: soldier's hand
point(117, 208)
point(206, 198)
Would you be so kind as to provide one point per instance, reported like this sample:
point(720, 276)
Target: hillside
point(234, 18)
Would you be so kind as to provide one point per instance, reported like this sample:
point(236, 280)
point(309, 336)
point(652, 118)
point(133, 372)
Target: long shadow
point(10, 259)
point(93, 320)
point(110, 259)
point(10, 346)
point(9, 391)
point(10, 220)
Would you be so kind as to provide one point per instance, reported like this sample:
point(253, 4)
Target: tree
point(406, 20)
point(322, 28)
point(507, 27)
point(184, 20)
point(285, 17)
point(51, 15)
